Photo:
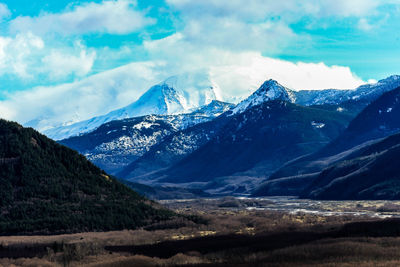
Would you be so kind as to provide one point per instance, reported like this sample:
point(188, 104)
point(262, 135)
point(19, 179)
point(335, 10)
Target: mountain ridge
point(177, 95)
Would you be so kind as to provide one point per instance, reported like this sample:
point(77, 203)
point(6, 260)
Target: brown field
point(232, 236)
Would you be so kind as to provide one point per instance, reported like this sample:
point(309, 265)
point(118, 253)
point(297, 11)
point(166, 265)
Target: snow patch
point(144, 125)
point(318, 125)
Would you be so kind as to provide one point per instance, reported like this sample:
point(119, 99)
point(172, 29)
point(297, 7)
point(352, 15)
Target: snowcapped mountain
point(363, 95)
point(176, 95)
point(366, 93)
point(183, 93)
point(115, 144)
point(269, 90)
point(262, 132)
point(195, 88)
point(182, 143)
point(245, 141)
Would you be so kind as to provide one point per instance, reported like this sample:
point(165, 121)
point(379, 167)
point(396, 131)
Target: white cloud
point(247, 71)
point(60, 64)
point(114, 17)
point(16, 53)
point(259, 25)
point(235, 34)
point(26, 56)
point(364, 25)
point(4, 12)
point(81, 100)
point(243, 71)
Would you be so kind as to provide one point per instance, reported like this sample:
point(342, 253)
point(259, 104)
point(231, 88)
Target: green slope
point(46, 187)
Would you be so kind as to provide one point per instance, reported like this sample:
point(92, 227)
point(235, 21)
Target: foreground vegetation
point(232, 236)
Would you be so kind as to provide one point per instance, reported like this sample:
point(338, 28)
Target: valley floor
point(236, 232)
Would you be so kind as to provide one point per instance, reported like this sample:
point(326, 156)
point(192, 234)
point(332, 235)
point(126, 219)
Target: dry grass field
point(233, 233)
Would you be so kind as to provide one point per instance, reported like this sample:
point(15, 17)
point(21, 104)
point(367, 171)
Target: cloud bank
point(238, 43)
point(237, 77)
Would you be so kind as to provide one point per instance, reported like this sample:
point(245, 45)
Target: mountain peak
point(269, 90)
point(175, 95)
point(270, 82)
point(197, 87)
point(160, 99)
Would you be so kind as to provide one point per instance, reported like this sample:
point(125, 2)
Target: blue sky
point(48, 46)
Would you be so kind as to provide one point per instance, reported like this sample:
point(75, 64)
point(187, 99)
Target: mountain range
point(237, 141)
point(186, 92)
point(223, 148)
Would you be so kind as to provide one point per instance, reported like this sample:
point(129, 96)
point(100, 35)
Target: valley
point(235, 232)
point(266, 182)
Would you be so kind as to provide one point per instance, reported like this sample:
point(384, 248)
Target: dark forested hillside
point(46, 187)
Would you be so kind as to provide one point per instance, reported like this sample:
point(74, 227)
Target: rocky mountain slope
point(114, 145)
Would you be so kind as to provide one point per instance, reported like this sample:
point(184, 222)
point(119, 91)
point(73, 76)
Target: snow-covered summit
point(269, 90)
point(197, 88)
point(160, 99)
point(176, 95)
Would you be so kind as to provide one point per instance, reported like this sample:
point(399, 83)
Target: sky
point(76, 59)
